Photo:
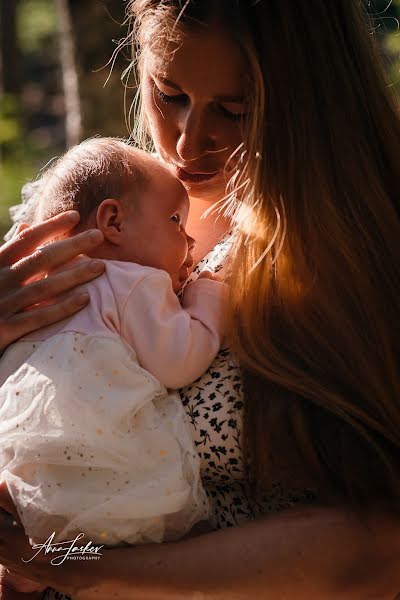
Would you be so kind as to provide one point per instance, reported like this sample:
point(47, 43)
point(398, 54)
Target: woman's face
point(193, 99)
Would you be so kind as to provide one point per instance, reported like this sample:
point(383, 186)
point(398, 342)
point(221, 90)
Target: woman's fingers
point(21, 227)
point(22, 269)
point(15, 549)
point(24, 322)
point(14, 546)
point(53, 285)
point(29, 238)
point(17, 555)
point(53, 255)
point(13, 585)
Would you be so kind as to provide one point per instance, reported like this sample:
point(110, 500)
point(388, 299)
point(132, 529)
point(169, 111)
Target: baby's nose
point(191, 242)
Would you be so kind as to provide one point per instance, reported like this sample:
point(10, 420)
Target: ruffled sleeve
point(23, 213)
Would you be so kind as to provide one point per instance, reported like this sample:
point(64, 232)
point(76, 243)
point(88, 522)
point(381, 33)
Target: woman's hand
point(15, 542)
point(72, 577)
point(16, 552)
point(21, 261)
point(12, 585)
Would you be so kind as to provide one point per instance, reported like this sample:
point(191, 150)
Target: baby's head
point(139, 206)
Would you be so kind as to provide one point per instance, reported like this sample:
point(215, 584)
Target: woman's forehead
point(205, 62)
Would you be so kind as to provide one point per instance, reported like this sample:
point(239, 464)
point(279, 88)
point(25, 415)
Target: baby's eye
point(176, 218)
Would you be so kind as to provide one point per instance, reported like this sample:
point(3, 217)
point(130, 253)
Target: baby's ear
point(109, 218)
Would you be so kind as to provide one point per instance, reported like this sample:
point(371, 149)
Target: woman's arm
point(302, 554)
point(21, 261)
point(318, 553)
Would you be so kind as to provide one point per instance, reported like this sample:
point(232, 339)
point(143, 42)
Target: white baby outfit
point(90, 439)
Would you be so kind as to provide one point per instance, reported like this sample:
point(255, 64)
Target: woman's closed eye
point(232, 111)
point(169, 99)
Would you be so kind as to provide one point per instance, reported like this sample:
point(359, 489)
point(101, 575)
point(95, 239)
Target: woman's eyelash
point(181, 98)
point(169, 99)
point(231, 115)
point(176, 218)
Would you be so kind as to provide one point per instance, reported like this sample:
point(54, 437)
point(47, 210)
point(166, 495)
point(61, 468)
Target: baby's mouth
point(183, 274)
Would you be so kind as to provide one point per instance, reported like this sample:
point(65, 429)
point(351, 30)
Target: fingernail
point(97, 266)
point(96, 236)
point(82, 299)
point(73, 216)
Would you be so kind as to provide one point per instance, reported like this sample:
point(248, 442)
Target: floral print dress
point(215, 406)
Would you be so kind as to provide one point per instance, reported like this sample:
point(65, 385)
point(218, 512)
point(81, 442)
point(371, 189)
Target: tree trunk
point(10, 57)
point(73, 119)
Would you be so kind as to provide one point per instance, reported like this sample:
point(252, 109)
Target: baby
point(91, 438)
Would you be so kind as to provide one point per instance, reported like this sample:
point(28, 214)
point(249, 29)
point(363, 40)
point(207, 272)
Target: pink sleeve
point(175, 343)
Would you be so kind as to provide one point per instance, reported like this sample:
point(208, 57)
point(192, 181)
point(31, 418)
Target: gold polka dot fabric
point(91, 442)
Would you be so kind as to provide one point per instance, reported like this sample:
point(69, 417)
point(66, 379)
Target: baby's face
point(156, 228)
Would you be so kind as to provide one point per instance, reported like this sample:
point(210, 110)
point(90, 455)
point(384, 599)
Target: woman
point(287, 103)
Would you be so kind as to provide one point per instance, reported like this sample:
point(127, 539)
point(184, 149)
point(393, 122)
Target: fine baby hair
point(90, 172)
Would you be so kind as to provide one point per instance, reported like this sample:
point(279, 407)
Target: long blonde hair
point(315, 268)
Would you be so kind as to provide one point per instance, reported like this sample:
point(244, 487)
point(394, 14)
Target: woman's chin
point(207, 190)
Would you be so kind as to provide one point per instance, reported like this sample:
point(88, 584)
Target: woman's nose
point(194, 136)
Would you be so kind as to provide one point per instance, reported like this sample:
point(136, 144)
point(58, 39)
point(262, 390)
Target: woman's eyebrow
point(168, 82)
point(231, 99)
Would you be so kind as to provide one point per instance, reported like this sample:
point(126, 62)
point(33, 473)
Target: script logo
point(67, 550)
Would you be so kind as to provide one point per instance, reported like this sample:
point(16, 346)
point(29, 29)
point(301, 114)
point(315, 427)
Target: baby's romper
point(91, 439)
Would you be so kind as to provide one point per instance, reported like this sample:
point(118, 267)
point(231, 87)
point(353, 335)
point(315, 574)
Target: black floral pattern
point(51, 594)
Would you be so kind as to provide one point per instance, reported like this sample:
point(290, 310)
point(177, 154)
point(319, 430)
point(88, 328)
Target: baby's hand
point(210, 275)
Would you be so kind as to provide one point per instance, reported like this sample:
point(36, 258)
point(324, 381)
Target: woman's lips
point(193, 177)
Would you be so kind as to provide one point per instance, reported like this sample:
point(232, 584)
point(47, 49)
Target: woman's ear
point(109, 217)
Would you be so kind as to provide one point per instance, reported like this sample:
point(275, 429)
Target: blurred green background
point(55, 60)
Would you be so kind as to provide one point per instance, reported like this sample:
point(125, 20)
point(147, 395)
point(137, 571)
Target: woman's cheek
point(151, 110)
point(160, 123)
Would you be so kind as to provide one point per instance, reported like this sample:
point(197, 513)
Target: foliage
point(26, 142)
point(36, 22)
point(32, 122)
point(392, 46)
point(10, 128)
